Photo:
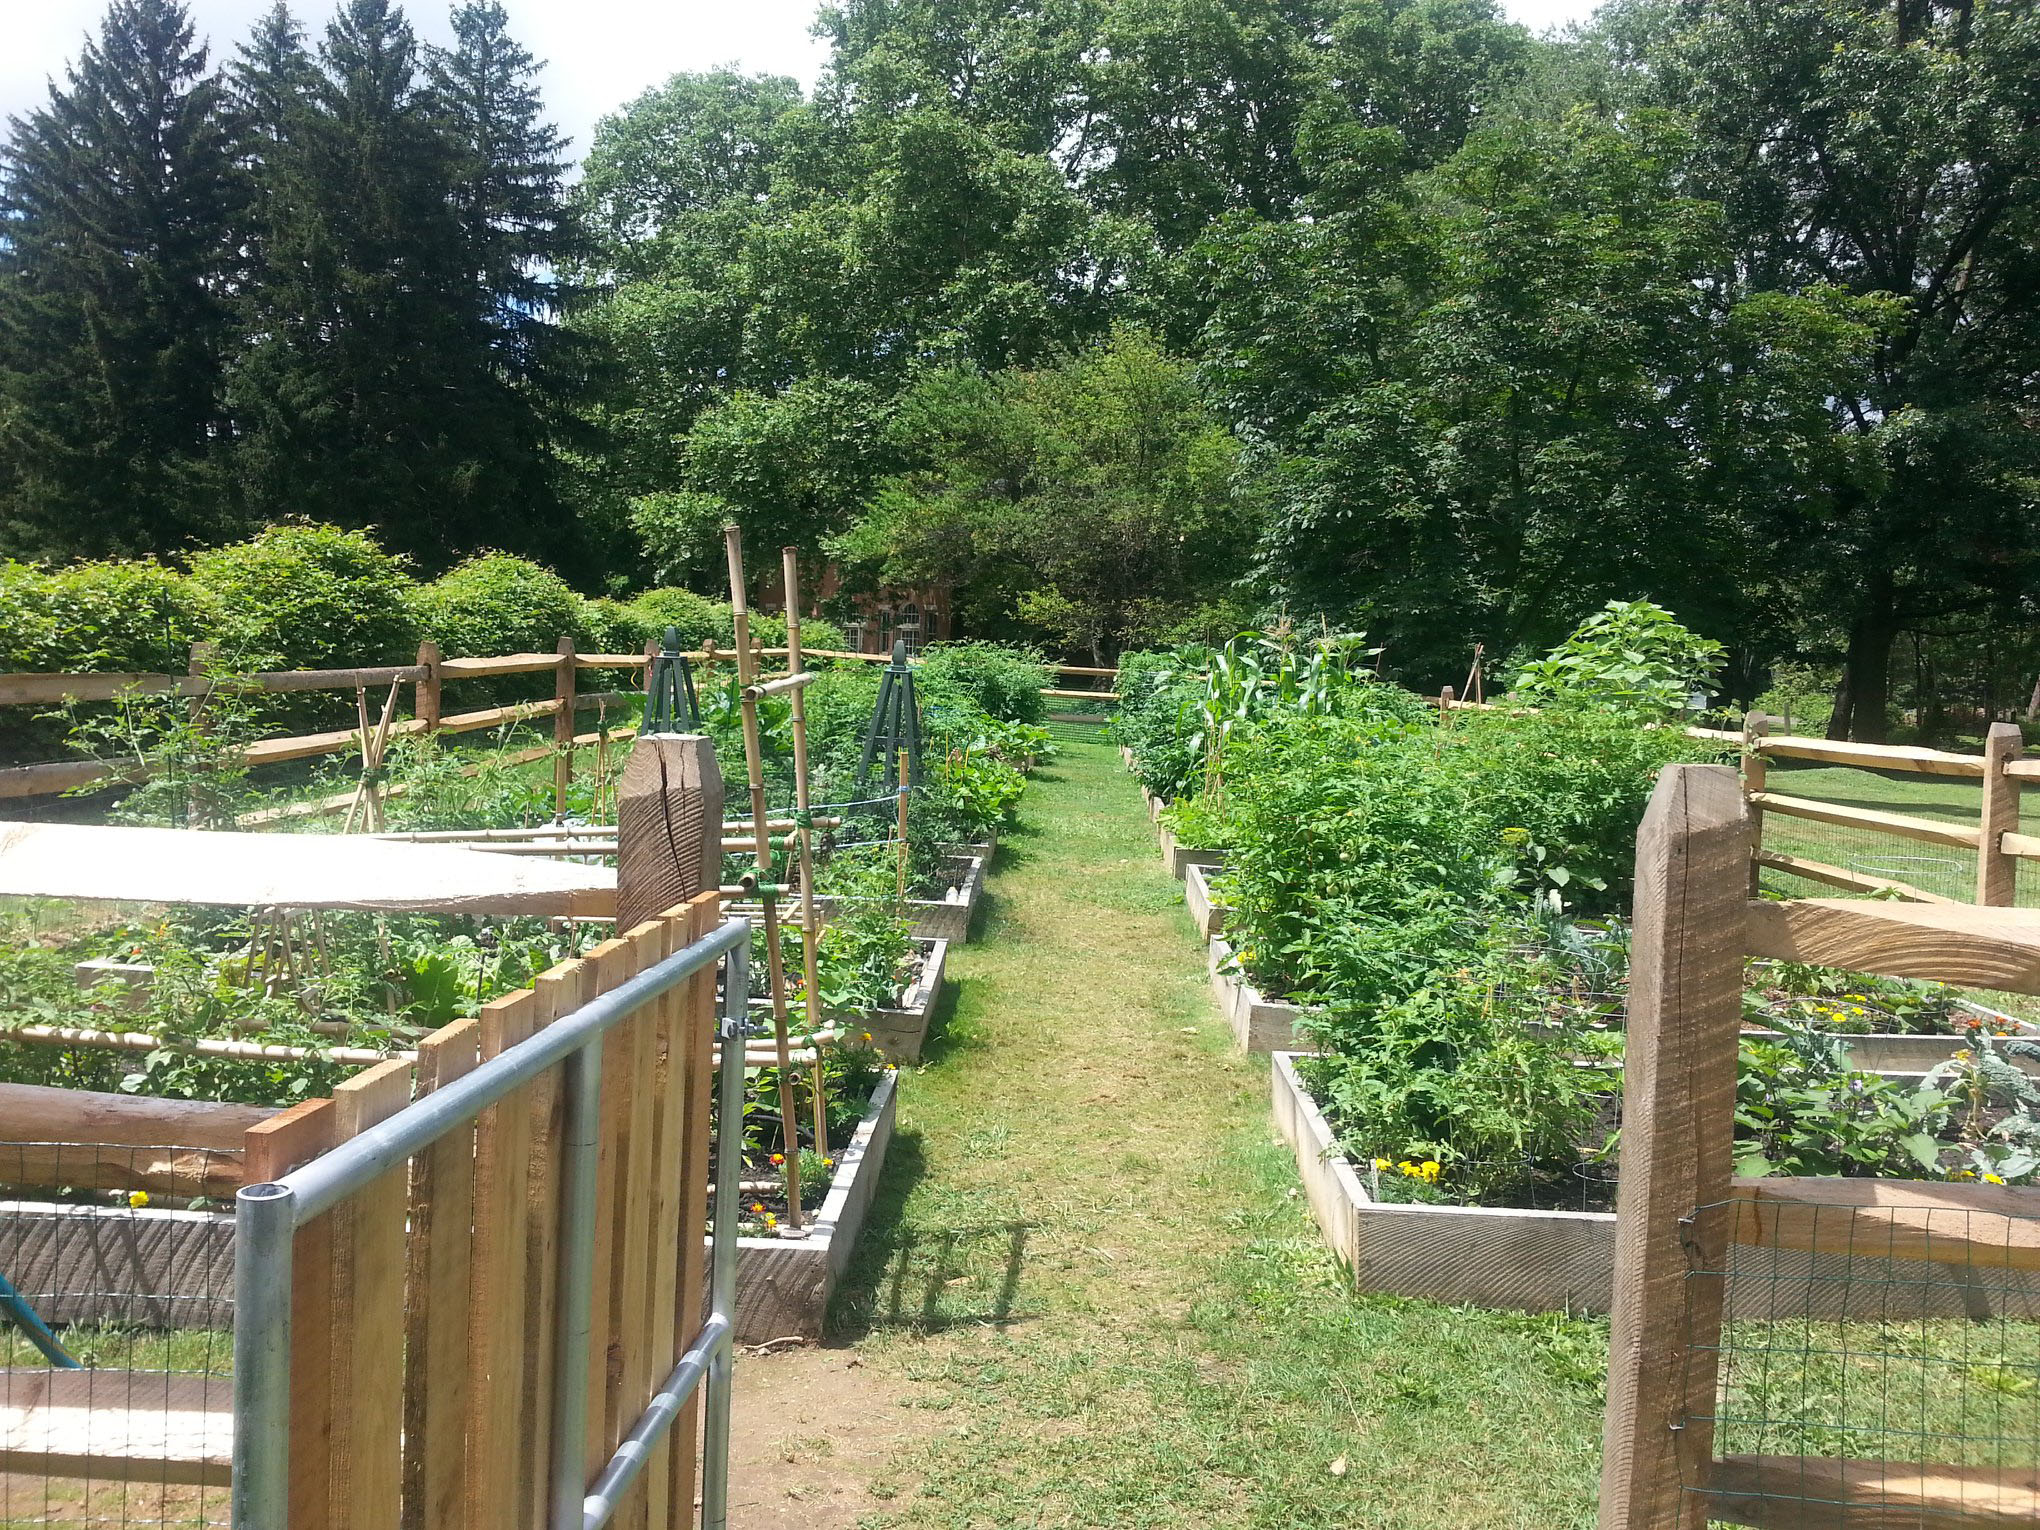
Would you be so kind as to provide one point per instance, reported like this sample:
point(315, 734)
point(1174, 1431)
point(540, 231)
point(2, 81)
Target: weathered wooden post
point(427, 699)
point(563, 728)
point(1678, 1124)
point(1754, 771)
point(1997, 874)
point(669, 810)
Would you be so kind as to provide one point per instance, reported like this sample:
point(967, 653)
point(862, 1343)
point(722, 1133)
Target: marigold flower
point(1380, 1164)
point(779, 1158)
point(138, 1199)
point(757, 1205)
point(1992, 1179)
point(771, 1220)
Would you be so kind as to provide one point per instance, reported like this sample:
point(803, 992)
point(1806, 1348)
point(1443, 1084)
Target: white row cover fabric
point(290, 871)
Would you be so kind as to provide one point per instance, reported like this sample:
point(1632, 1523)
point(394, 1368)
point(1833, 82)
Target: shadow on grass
point(925, 1279)
point(942, 1041)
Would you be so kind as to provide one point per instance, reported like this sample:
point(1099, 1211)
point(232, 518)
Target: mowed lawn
point(1091, 1258)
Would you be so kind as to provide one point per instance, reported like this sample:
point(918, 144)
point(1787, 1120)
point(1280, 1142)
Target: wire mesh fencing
point(1876, 1364)
point(1946, 870)
point(116, 1349)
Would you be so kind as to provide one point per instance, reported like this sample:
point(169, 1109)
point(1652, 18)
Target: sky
point(598, 53)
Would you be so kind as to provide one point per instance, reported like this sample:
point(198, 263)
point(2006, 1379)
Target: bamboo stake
point(903, 829)
point(809, 957)
point(775, 963)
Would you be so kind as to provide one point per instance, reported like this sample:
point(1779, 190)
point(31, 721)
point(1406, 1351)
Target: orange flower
point(779, 1158)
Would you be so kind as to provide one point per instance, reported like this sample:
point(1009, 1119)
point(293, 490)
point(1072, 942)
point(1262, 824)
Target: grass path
point(1091, 1282)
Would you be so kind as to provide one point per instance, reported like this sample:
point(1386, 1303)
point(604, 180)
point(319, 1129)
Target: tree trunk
point(1869, 673)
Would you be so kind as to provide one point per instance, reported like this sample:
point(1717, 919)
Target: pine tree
point(509, 187)
point(119, 199)
point(519, 237)
point(365, 396)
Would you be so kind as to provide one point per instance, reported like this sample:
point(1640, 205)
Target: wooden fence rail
point(1680, 1211)
point(1995, 838)
point(428, 676)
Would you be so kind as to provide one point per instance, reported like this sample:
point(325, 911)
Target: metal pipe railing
point(267, 1217)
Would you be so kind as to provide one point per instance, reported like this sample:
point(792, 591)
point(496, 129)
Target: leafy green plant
point(1801, 1110)
point(1001, 680)
point(1631, 657)
point(866, 952)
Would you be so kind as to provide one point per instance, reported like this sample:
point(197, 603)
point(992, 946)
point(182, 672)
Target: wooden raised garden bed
point(784, 1284)
point(1205, 910)
point(947, 918)
point(1179, 858)
point(1563, 1261)
point(1258, 1023)
point(900, 1033)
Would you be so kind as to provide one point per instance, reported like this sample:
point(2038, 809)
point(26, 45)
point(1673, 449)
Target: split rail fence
point(1869, 1250)
point(427, 676)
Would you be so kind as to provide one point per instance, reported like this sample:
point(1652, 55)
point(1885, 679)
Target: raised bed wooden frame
point(784, 1284)
point(899, 1034)
point(1258, 1023)
point(1563, 1261)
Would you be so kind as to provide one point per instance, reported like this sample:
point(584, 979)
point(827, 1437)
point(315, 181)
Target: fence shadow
point(926, 1279)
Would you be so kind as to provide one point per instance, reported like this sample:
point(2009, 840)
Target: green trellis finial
point(895, 725)
point(670, 704)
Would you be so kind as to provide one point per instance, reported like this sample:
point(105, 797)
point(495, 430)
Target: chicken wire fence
point(116, 1342)
point(1877, 1366)
point(1946, 870)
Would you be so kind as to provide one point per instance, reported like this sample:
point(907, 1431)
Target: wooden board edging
point(784, 1285)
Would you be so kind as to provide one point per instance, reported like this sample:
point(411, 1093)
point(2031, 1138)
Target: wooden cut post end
point(669, 811)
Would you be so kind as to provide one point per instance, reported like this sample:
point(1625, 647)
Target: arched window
point(910, 625)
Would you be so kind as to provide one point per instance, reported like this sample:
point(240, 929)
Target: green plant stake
point(670, 702)
point(895, 730)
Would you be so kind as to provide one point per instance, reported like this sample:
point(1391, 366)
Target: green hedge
point(304, 596)
point(309, 597)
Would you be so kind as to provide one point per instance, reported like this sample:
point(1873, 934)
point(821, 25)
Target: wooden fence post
point(563, 728)
point(669, 809)
point(1755, 726)
point(1678, 1110)
point(1997, 874)
point(427, 706)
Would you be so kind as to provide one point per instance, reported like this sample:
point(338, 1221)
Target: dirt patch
point(812, 1437)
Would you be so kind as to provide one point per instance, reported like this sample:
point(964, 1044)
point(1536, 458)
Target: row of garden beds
point(1543, 1258)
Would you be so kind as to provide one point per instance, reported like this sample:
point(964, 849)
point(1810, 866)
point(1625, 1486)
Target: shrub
point(697, 618)
point(498, 604)
point(1632, 657)
point(1002, 680)
point(136, 616)
point(309, 597)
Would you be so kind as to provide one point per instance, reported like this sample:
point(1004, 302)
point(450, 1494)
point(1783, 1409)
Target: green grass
point(1942, 869)
point(1092, 1261)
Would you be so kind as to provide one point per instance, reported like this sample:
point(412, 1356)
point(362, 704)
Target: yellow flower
point(1430, 1169)
point(828, 1163)
point(867, 1035)
point(1992, 1179)
point(138, 1199)
point(757, 1206)
point(1380, 1164)
point(771, 1220)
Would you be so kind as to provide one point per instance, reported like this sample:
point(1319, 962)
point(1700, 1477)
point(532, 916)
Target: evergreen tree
point(508, 190)
point(118, 199)
point(369, 394)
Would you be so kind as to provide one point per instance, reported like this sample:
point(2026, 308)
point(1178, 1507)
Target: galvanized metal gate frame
point(267, 1218)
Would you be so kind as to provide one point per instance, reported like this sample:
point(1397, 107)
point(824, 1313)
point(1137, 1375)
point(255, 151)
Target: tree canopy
point(1122, 318)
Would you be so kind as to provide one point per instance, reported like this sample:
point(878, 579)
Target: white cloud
point(599, 53)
